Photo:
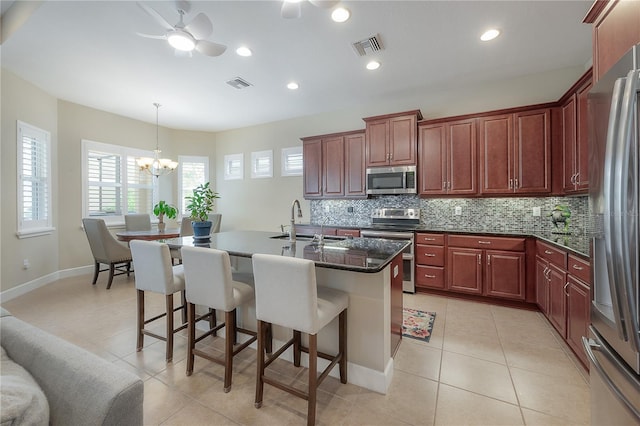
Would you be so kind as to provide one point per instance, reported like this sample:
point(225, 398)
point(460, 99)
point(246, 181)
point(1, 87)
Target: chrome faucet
point(292, 231)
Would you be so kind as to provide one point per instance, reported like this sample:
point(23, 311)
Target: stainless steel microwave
point(391, 180)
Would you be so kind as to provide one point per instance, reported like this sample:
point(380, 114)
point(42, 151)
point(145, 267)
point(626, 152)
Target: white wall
point(25, 102)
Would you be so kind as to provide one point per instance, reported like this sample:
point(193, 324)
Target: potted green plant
point(200, 204)
point(160, 210)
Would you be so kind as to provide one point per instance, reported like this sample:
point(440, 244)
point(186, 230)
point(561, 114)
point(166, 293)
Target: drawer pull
point(549, 252)
point(579, 268)
point(429, 239)
point(430, 255)
point(484, 242)
point(429, 276)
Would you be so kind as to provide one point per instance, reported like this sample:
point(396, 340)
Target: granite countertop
point(358, 254)
point(576, 244)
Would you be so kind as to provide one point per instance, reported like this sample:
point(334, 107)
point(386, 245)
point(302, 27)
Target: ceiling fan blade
point(200, 27)
point(210, 48)
point(159, 37)
point(290, 10)
point(155, 15)
point(325, 4)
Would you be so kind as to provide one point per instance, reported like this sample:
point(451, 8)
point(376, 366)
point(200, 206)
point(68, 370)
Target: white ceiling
point(87, 52)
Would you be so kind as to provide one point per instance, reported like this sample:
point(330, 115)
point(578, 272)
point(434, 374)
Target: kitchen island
point(370, 270)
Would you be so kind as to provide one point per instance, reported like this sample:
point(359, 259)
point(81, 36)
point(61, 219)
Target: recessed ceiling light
point(373, 65)
point(340, 14)
point(292, 86)
point(489, 34)
point(244, 51)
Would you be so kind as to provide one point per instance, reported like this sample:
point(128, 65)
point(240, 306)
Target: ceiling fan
point(186, 37)
point(292, 8)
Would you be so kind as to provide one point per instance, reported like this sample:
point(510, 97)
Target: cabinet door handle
point(577, 180)
point(479, 259)
point(573, 179)
point(448, 184)
point(430, 255)
point(548, 252)
point(484, 242)
point(429, 276)
point(565, 289)
point(577, 267)
point(488, 260)
point(510, 183)
point(516, 184)
point(444, 184)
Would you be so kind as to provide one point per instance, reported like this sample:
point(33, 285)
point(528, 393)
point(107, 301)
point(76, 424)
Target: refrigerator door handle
point(591, 345)
point(609, 209)
point(623, 233)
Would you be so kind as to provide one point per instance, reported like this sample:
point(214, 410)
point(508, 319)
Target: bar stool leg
point(140, 341)
point(169, 304)
point(260, 364)
point(297, 343)
point(191, 340)
point(313, 378)
point(183, 301)
point(230, 333)
point(212, 321)
point(342, 345)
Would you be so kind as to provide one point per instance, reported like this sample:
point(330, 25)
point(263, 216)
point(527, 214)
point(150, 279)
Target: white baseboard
point(25, 288)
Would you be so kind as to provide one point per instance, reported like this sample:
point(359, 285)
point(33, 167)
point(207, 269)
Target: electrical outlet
point(458, 211)
point(25, 264)
point(536, 212)
point(327, 209)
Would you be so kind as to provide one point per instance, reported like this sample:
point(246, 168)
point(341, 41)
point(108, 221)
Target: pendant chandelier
point(157, 166)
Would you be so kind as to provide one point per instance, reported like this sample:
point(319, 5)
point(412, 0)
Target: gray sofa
point(80, 387)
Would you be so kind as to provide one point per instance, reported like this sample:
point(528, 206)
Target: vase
point(162, 226)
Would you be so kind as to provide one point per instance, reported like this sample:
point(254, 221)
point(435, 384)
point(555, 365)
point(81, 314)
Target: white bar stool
point(287, 295)
point(154, 272)
point(209, 282)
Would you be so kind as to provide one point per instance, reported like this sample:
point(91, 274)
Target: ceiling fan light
point(244, 51)
point(181, 40)
point(340, 14)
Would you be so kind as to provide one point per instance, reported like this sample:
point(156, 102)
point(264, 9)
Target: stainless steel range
point(397, 224)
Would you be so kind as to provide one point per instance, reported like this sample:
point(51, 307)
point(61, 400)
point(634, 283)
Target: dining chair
point(287, 295)
point(209, 282)
point(106, 250)
point(216, 220)
point(186, 229)
point(155, 273)
point(137, 222)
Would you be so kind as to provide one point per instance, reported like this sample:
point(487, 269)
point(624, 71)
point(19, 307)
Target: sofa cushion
point(22, 402)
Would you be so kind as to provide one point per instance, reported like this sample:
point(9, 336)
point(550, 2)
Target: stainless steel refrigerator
point(613, 346)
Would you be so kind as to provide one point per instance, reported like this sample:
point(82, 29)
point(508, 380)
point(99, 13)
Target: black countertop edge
point(575, 244)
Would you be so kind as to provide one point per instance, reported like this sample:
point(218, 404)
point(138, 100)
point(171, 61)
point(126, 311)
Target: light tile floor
point(484, 365)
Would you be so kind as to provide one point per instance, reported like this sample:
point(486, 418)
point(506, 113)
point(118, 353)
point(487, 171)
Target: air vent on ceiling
point(368, 45)
point(239, 83)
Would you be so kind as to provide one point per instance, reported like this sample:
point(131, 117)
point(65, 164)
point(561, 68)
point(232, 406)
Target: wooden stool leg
point(230, 333)
point(313, 378)
point(297, 343)
point(96, 271)
point(212, 321)
point(342, 345)
point(268, 344)
point(112, 268)
point(183, 301)
point(260, 364)
point(140, 325)
point(191, 339)
point(169, 303)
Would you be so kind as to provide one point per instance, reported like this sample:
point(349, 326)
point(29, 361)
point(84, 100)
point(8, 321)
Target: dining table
point(148, 235)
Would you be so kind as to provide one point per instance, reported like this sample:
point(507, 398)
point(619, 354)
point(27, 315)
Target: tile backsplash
point(478, 214)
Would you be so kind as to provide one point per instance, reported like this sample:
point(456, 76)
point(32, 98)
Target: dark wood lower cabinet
point(505, 274)
point(578, 305)
point(465, 270)
point(542, 285)
point(557, 313)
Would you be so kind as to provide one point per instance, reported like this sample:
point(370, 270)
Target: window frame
point(196, 159)
point(33, 228)
point(256, 157)
point(124, 152)
point(285, 153)
point(227, 160)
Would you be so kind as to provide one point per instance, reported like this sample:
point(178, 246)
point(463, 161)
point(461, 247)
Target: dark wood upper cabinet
point(354, 166)
point(391, 140)
point(575, 139)
point(515, 153)
point(447, 155)
point(582, 138)
point(312, 167)
point(616, 28)
point(334, 165)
